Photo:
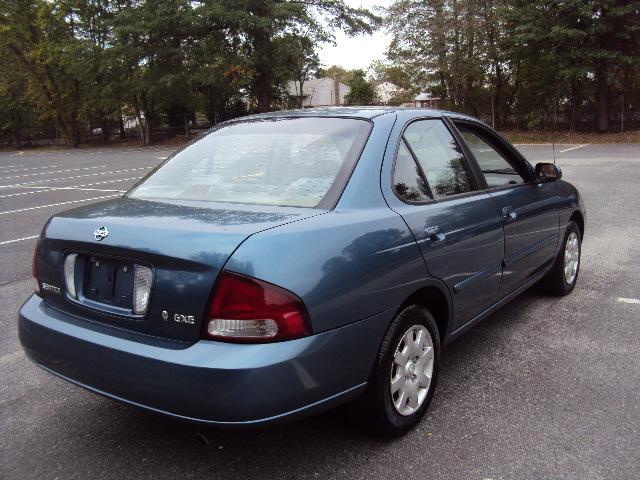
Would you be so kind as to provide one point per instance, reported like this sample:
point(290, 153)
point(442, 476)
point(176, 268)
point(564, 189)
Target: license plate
point(109, 281)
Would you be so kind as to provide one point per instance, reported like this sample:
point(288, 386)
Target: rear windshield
point(302, 162)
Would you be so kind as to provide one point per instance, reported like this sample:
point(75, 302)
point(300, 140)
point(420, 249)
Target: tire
point(557, 282)
point(377, 408)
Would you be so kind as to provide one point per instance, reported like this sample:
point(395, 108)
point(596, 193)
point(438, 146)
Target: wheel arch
point(578, 218)
point(437, 302)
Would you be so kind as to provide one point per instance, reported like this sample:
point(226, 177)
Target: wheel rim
point(412, 370)
point(571, 258)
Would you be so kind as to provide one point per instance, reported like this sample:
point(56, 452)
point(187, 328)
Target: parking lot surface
point(545, 388)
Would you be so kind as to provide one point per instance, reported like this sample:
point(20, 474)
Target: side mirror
point(548, 172)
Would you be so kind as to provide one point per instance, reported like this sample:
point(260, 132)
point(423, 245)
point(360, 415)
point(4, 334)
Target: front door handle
point(435, 233)
point(508, 213)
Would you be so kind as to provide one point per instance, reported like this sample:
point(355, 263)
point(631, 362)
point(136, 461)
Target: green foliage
point(343, 74)
point(513, 59)
point(392, 73)
point(362, 91)
point(82, 64)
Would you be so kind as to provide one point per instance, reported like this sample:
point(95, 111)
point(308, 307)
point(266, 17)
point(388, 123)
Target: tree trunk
point(263, 87)
point(576, 101)
point(106, 134)
point(499, 100)
point(148, 120)
point(602, 90)
point(301, 96)
point(263, 80)
point(123, 134)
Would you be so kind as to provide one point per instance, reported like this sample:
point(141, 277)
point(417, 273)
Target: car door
point(529, 209)
point(456, 224)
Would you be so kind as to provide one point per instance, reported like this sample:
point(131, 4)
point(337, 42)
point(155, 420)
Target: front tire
point(561, 280)
point(405, 375)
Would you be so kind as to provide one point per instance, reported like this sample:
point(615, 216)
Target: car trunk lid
point(185, 244)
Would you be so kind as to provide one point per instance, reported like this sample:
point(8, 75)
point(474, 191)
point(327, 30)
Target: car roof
point(352, 112)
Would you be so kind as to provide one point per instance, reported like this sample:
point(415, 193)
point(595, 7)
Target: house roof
point(425, 96)
point(375, 83)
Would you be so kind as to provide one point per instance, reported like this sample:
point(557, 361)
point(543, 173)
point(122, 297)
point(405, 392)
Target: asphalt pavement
point(547, 388)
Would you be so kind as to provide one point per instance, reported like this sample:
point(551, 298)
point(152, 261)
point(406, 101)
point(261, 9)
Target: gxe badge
point(101, 233)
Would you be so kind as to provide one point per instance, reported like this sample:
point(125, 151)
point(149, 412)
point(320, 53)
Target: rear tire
point(561, 280)
point(405, 374)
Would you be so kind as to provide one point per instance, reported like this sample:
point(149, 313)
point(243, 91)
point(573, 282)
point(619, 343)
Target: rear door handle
point(435, 233)
point(508, 213)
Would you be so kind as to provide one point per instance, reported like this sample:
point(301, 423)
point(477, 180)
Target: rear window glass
point(290, 162)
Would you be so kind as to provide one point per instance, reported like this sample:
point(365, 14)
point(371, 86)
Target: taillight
point(244, 309)
point(34, 270)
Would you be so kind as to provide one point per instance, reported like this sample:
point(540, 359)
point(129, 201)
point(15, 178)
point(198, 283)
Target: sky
point(360, 51)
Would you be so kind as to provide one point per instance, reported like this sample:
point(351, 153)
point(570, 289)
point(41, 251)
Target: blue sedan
point(290, 262)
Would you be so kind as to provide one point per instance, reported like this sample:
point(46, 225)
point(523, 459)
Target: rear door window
point(408, 179)
point(302, 162)
point(440, 158)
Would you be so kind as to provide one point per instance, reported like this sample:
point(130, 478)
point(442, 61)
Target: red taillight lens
point(34, 270)
point(244, 309)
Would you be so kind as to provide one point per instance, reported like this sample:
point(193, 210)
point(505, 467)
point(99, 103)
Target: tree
point(392, 73)
point(153, 40)
point(519, 58)
point(19, 121)
point(260, 24)
point(362, 92)
point(40, 43)
point(343, 74)
point(299, 58)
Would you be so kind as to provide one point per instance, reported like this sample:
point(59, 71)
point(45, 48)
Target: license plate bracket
point(109, 282)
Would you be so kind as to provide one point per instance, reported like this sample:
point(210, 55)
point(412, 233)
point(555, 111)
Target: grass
point(517, 136)
point(514, 136)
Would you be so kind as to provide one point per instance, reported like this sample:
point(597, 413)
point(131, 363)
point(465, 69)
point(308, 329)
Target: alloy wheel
point(412, 370)
point(571, 258)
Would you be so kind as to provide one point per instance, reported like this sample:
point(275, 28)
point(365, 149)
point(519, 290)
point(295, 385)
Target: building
point(319, 92)
point(386, 90)
point(423, 100)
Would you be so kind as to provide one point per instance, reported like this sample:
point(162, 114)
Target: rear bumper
point(208, 382)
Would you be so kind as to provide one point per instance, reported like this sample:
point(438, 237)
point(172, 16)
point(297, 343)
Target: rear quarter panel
point(345, 265)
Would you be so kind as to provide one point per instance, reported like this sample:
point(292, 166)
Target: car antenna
point(553, 132)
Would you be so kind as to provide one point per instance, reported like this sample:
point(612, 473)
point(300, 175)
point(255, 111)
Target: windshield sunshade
point(301, 162)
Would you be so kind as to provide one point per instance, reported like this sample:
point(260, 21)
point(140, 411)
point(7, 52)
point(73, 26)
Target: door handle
point(508, 213)
point(435, 233)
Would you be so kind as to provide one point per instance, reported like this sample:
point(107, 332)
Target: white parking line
point(19, 185)
point(58, 204)
point(32, 168)
point(11, 166)
point(55, 171)
point(629, 300)
point(89, 151)
point(573, 148)
point(71, 187)
point(6, 242)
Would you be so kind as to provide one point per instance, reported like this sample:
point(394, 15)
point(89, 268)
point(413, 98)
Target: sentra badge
point(50, 288)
